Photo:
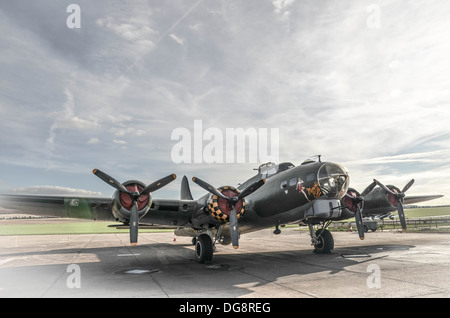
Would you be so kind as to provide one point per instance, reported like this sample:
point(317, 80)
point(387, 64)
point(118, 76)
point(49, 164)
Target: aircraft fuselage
point(304, 192)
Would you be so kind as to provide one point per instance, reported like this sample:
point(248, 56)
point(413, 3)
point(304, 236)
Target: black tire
point(203, 249)
point(326, 242)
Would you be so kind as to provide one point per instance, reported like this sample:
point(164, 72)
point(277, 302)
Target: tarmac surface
point(385, 264)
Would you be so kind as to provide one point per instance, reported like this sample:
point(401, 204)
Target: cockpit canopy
point(270, 168)
point(333, 180)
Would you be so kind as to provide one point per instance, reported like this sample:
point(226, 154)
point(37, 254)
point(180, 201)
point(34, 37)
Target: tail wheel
point(203, 249)
point(325, 242)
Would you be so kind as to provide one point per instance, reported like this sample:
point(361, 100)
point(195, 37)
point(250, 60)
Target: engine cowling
point(349, 203)
point(391, 197)
point(220, 209)
point(122, 202)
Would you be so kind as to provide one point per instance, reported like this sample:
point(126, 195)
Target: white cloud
point(93, 141)
point(176, 39)
point(373, 98)
point(66, 119)
point(130, 29)
point(281, 5)
point(119, 141)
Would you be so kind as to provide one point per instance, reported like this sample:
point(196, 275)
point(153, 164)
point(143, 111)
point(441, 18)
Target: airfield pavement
point(385, 264)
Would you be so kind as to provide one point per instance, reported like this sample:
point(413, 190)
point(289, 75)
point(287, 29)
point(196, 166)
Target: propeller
point(134, 213)
point(399, 196)
point(232, 201)
point(358, 214)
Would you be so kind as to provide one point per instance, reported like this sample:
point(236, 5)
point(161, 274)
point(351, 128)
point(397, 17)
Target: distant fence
point(419, 224)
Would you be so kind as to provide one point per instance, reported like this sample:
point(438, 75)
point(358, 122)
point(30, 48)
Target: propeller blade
point(399, 197)
point(159, 184)
point(251, 188)
point(134, 224)
point(234, 228)
point(111, 181)
point(384, 187)
point(209, 188)
point(401, 215)
point(369, 188)
point(408, 185)
point(359, 223)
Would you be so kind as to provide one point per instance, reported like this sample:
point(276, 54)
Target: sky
point(362, 83)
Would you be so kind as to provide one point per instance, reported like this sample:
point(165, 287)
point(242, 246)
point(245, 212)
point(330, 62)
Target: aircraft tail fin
point(185, 193)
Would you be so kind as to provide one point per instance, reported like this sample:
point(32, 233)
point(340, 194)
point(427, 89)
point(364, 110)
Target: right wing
point(164, 212)
point(93, 208)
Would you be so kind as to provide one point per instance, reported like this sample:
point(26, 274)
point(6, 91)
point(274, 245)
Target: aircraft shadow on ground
point(175, 270)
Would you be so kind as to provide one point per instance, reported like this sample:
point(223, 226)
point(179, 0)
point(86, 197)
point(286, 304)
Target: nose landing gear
point(322, 239)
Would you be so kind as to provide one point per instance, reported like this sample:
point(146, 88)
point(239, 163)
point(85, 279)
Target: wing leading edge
point(162, 212)
point(420, 198)
point(93, 208)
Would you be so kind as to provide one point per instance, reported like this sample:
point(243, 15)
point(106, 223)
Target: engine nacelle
point(123, 203)
point(349, 205)
point(220, 209)
point(391, 198)
point(379, 201)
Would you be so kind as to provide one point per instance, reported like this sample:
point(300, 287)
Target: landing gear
point(204, 249)
point(322, 239)
point(325, 242)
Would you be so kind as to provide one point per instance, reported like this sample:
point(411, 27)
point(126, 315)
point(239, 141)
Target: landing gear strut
point(322, 239)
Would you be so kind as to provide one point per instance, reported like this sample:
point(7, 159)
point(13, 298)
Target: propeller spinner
point(134, 196)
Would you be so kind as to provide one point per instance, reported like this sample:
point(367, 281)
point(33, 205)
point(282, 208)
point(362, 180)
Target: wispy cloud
point(113, 91)
point(176, 39)
point(439, 156)
point(66, 119)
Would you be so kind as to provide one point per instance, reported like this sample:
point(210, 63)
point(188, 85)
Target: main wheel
point(203, 249)
point(325, 242)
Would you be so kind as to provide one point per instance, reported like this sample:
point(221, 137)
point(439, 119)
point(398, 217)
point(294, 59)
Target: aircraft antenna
point(318, 157)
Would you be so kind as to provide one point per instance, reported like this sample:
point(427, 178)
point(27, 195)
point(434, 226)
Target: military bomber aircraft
point(314, 193)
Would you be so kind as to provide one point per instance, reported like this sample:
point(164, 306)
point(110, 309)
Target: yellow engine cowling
point(220, 208)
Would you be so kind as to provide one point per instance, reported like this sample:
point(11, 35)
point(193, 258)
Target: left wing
point(420, 198)
point(382, 200)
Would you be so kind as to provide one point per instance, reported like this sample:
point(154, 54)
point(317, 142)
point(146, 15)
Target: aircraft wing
point(94, 208)
point(420, 198)
point(162, 211)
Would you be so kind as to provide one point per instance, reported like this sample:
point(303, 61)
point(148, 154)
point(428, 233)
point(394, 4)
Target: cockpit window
point(270, 168)
point(333, 180)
